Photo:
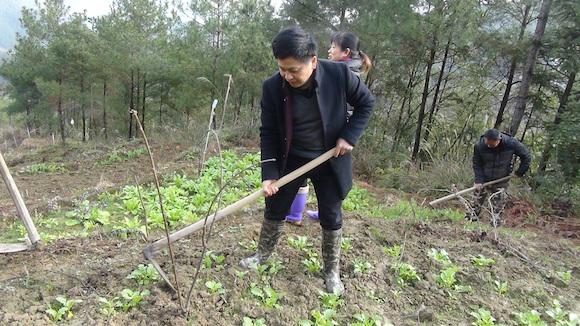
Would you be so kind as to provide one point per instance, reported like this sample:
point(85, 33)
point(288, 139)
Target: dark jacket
point(493, 163)
point(335, 86)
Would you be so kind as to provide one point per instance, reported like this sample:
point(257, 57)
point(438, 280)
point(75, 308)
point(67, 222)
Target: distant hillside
point(9, 22)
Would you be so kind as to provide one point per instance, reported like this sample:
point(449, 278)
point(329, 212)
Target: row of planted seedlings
point(61, 308)
point(406, 275)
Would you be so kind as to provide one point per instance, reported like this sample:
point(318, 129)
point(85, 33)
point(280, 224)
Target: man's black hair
point(492, 134)
point(293, 42)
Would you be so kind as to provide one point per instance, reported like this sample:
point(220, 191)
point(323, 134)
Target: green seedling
point(405, 274)
point(62, 309)
point(132, 299)
point(299, 242)
point(362, 266)
point(364, 320)
point(562, 317)
point(240, 274)
point(44, 168)
point(211, 258)
point(482, 261)
point(566, 277)
point(501, 287)
point(325, 318)
point(313, 265)
point(440, 255)
point(330, 300)
point(144, 275)
point(394, 251)
point(482, 318)
point(446, 279)
point(530, 318)
point(247, 321)
point(250, 245)
point(267, 295)
point(215, 287)
point(110, 307)
point(346, 244)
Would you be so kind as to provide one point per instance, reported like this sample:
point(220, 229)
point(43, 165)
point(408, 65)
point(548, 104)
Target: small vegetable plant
point(405, 274)
point(299, 242)
point(482, 318)
point(440, 255)
point(324, 318)
point(144, 275)
point(530, 318)
point(313, 265)
point(393, 251)
point(267, 295)
point(362, 266)
point(330, 300)
point(215, 287)
point(62, 309)
point(501, 287)
point(482, 261)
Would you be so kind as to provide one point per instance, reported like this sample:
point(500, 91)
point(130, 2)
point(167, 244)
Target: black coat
point(335, 86)
point(494, 163)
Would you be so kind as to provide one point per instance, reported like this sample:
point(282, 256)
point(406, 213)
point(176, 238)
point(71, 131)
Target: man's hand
point(268, 188)
point(478, 186)
point(342, 147)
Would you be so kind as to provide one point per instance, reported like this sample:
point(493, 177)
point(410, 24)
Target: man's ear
point(314, 62)
point(348, 52)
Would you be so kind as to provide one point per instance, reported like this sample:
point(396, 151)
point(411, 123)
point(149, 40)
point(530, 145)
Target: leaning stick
point(19, 202)
point(150, 250)
point(464, 191)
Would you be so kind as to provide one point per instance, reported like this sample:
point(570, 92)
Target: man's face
point(296, 72)
point(491, 143)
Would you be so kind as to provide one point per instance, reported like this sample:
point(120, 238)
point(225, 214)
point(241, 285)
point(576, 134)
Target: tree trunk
point(84, 115)
point(417, 143)
point(511, 73)
point(143, 101)
point(137, 100)
point(161, 106)
point(60, 110)
point(131, 107)
point(400, 117)
point(529, 69)
point(437, 88)
point(105, 108)
point(529, 120)
point(563, 101)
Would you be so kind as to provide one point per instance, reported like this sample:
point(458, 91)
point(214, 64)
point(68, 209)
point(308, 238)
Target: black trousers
point(325, 186)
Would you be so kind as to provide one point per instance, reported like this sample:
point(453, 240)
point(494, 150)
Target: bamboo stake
point(464, 191)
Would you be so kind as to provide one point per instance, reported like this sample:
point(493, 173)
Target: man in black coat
point(493, 159)
point(304, 114)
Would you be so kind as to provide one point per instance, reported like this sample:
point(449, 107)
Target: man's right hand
point(268, 188)
point(478, 186)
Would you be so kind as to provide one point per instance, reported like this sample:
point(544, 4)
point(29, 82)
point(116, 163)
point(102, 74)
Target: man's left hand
point(342, 147)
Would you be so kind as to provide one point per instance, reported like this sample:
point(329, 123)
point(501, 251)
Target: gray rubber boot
point(331, 241)
point(269, 235)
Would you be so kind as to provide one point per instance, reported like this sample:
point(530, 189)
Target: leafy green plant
point(501, 287)
point(132, 299)
point(211, 258)
point(362, 266)
point(325, 318)
point(215, 287)
point(144, 275)
point(62, 309)
point(240, 274)
point(482, 318)
point(440, 255)
point(346, 244)
point(566, 276)
point(482, 261)
point(299, 242)
point(330, 300)
point(313, 265)
point(250, 245)
point(393, 251)
point(559, 315)
point(530, 318)
point(446, 279)
point(44, 168)
point(267, 295)
point(110, 307)
point(364, 320)
point(405, 274)
point(247, 321)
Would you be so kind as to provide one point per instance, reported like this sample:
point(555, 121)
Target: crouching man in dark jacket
point(304, 114)
point(492, 160)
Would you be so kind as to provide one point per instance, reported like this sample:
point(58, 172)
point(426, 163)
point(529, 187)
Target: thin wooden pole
point(19, 202)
